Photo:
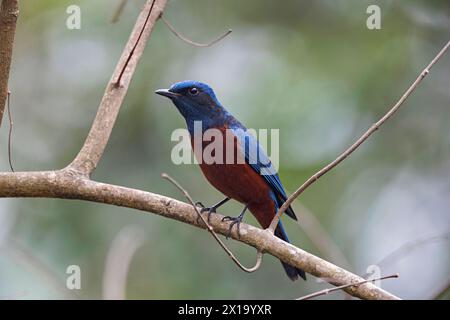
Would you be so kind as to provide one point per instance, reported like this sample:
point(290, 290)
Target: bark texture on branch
point(74, 181)
point(9, 12)
point(89, 156)
point(69, 184)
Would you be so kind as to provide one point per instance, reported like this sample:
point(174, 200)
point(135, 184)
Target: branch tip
point(358, 142)
point(357, 284)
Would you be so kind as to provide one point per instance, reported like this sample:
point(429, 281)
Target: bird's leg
point(235, 221)
point(211, 209)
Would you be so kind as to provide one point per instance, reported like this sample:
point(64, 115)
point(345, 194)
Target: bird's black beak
point(167, 93)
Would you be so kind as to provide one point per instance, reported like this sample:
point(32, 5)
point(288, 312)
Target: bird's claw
point(205, 209)
point(210, 210)
point(234, 221)
point(199, 204)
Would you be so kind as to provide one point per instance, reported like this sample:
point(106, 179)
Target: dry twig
point(185, 39)
point(330, 290)
point(358, 142)
point(211, 230)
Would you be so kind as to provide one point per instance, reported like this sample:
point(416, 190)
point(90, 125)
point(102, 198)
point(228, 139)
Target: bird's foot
point(209, 210)
point(199, 204)
point(235, 221)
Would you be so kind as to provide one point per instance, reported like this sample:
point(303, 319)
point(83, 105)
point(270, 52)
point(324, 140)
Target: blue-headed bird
point(248, 182)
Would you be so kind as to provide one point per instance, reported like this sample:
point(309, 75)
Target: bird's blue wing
point(256, 157)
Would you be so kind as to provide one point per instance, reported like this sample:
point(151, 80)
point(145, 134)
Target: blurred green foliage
point(312, 69)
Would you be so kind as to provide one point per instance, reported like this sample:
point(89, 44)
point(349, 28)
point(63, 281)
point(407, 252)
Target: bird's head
point(196, 101)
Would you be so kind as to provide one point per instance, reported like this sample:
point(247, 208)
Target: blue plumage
point(254, 183)
point(260, 162)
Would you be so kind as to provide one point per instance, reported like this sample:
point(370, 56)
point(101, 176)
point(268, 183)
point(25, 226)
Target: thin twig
point(118, 11)
point(358, 142)
point(185, 39)
point(329, 290)
point(10, 130)
point(211, 230)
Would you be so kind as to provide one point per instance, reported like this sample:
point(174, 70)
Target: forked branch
point(90, 154)
point(73, 182)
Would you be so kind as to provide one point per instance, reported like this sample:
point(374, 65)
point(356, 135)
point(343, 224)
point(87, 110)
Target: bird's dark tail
point(291, 271)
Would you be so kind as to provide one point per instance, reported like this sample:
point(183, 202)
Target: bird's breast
point(229, 173)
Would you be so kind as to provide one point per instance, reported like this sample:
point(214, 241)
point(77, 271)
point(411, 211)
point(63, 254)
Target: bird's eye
point(193, 91)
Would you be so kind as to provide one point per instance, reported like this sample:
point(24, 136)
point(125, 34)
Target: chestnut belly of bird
point(240, 182)
point(229, 179)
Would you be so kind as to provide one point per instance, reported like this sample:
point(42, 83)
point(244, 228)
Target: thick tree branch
point(69, 184)
point(9, 11)
point(88, 158)
point(73, 182)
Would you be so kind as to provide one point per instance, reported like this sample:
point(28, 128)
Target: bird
point(252, 182)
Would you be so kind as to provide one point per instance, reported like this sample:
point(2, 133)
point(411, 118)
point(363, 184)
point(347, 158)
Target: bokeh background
point(310, 68)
